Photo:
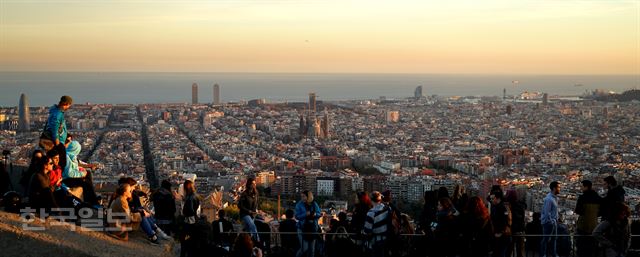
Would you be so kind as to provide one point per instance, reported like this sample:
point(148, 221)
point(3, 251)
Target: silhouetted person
point(265, 234)
point(289, 240)
point(5, 180)
point(243, 247)
point(534, 228)
point(362, 206)
point(587, 207)
point(36, 157)
point(460, 198)
point(476, 229)
point(614, 233)
point(222, 228)
point(518, 221)
point(190, 211)
point(164, 203)
point(615, 194)
point(564, 244)
point(501, 220)
point(446, 230)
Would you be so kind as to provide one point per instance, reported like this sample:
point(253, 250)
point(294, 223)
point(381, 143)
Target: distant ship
point(578, 85)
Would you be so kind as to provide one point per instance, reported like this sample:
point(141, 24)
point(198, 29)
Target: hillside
point(59, 240)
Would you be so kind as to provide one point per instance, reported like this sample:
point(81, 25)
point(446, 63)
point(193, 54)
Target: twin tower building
point(194, 93)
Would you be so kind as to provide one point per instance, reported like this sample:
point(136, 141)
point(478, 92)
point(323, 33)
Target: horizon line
point(334, 72)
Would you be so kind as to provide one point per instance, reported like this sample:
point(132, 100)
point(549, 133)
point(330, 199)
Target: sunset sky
point(504, 37)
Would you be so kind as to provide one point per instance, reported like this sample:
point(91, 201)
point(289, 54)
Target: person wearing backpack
point(307, 214)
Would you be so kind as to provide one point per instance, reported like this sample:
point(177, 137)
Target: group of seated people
point(50, 177)
point(127, 209)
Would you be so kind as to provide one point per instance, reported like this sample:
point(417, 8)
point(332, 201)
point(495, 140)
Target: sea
point(45, 88)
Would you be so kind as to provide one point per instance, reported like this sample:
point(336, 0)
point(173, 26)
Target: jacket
point(56, 127)
point(190, 208)
point(477, 235)
point(301, 212)
point(220, 229)
point(122, 215)
point(164, 204)
point(248, 204)
point(40, 193)
point(587, 207)
point(72, 167)
point(614, 195)
point(501, 218)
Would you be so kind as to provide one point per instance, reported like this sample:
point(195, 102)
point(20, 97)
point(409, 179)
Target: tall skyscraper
point(24, 120)
point(504, 94)
point(418, 92)
point(194, 93)
point(545, 99)
point(216, 94)
point(326, 125)
point(312, 103)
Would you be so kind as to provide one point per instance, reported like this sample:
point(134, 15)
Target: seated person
point(36, 157)
point(74, 175)
point(124, 217)
point(55, 176)
point(135, 206)
point(40, 192)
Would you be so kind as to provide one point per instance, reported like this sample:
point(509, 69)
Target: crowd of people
point(457, 225)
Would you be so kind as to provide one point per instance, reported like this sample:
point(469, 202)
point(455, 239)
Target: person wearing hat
point(55, 130)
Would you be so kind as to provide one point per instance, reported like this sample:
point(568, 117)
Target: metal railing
point(423, 244)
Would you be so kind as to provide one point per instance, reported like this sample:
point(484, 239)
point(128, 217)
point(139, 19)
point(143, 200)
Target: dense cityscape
point(335, 149)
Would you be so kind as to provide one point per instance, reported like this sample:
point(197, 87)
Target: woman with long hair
point(40, 192)
point(476, 229)
point(243, 247)
point(248, 205)
point(190, 211)
point(120, 206)
point(445, 230)
point(362, 206)
point(307, 214)
point(36, 159)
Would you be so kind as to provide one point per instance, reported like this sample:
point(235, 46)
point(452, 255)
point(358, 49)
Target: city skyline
point(497, 37)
